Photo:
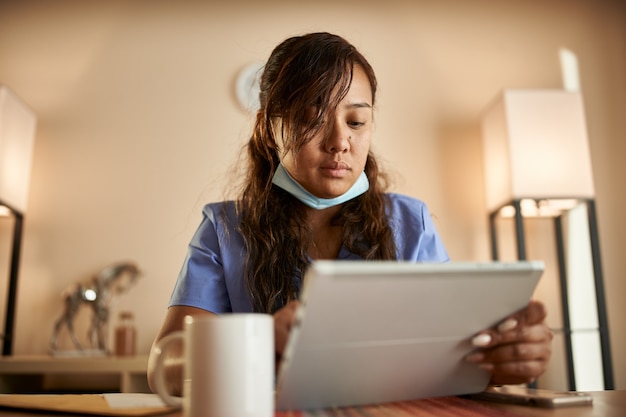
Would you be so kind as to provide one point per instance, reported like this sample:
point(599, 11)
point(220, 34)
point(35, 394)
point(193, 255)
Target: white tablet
point(381, 331)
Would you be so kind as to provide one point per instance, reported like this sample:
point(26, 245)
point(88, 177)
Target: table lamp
point(537, 164)
point(17, 131)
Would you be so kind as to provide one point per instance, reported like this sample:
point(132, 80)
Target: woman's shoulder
point(415, 233)
point(219, 211)
point(403, 209)
point(406, 202)
point(217, 207)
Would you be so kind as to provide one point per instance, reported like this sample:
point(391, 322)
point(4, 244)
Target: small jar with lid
point(125, 335)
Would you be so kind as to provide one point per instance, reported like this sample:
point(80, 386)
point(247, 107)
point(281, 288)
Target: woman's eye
point(355, 123)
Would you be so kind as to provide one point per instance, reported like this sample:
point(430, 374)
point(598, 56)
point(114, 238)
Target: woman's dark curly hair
point(307, 72)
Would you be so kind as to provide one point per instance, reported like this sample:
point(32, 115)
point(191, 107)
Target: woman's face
point(328, 167)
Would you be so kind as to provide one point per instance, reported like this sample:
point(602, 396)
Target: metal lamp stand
point(9, 318)
point(603, 329)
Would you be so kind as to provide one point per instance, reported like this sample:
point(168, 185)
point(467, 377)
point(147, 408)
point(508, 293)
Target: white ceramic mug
point(228, 366)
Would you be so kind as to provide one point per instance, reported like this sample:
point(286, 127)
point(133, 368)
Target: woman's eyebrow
point(358, 105)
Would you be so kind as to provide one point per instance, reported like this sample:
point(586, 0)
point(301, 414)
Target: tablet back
point(380, 331)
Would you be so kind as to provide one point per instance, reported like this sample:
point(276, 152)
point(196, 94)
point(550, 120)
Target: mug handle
point(159, 382)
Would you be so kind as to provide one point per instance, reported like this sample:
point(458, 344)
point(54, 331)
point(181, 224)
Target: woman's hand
point(284, 320)
point(518, 350)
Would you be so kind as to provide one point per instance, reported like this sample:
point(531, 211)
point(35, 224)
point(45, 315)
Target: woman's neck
point(326, 236)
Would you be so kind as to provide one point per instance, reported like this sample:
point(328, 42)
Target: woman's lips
point(336, 169)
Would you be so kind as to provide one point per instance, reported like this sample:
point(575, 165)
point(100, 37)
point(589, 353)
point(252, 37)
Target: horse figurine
point(97, 293)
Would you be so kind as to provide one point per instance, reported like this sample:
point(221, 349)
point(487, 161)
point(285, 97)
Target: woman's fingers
point(515, 352)
point(514, 363)
point(283, 321)
point(525, 325)
point(536, 333)
point(522, 372)
point(535, 312)
point(518, 349)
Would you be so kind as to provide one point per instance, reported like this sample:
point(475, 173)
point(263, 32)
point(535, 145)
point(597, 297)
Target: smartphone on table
point(516, 394)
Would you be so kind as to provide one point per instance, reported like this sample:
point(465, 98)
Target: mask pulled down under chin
point(285, 181)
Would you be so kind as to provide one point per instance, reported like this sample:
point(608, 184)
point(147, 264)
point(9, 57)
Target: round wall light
point(247, 86)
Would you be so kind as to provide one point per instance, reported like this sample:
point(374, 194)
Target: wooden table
point(605, 404)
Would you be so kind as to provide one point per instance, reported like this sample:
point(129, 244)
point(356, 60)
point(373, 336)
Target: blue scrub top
point(211, 277)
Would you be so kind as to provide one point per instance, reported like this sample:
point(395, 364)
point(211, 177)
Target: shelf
point(77, 374)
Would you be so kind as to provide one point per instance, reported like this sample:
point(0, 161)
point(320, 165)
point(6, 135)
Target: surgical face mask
point(283, 180)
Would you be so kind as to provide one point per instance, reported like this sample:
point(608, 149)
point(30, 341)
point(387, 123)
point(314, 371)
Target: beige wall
point(138, 125)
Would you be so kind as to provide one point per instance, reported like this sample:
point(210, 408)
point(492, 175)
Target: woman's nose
point(338, 140)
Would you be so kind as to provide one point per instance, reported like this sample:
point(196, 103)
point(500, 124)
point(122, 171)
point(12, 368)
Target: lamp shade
point(535, 146)
point(17, 133)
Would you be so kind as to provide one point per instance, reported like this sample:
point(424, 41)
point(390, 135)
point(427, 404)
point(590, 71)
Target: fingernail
point(507, 325)
point(486, 367)
point(481, 340)
point(475, 357)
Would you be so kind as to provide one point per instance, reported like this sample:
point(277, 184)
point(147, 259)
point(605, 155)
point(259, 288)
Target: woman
point(313, 190)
